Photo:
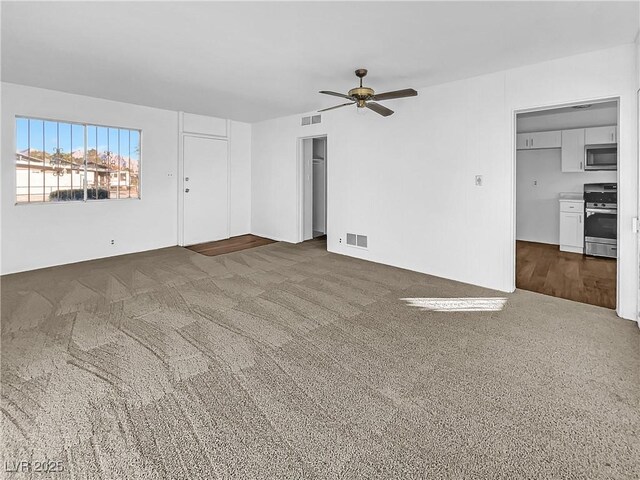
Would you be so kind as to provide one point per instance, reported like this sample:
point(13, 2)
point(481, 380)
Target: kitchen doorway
point(566, 180)
point(313, 183)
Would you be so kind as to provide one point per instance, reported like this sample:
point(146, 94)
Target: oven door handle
point(609, 211)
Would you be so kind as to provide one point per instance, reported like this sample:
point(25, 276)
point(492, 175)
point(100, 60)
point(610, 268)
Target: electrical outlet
point(113, 242)
point(535, 183)
point(478, 180)
point(340, 241)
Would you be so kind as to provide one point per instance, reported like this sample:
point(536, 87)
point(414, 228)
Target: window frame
point(85, 126)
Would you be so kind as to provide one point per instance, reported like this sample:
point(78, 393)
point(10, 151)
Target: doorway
point(205, 189)
point(314, 188)
point(566, 202)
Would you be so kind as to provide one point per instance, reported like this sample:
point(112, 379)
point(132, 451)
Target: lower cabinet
point(572, 226)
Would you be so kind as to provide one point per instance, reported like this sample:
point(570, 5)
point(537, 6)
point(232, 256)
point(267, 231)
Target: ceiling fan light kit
point(363, 97)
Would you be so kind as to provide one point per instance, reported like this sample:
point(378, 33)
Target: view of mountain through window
point(62, 161)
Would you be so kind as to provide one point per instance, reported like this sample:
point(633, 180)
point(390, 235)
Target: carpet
point(285, 361)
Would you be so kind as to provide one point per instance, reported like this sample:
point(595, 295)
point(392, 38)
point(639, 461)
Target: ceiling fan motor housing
point(361, 95)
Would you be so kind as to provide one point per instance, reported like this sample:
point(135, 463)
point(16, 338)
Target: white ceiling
point(253, 61)
point(597, 115)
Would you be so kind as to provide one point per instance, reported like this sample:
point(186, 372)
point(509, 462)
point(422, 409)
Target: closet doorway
point(314, 187)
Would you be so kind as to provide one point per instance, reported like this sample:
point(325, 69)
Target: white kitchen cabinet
point(546, 139)
point(572, 226)
point(538, 140)
point(600, 135)
point(522, 141)
point(572, 152)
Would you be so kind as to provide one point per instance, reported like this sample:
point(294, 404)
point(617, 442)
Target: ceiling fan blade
point(335, 94)
point(337, 106)
point(376, 107)
point(407, 92)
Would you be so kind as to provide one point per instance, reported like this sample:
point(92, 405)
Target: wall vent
point(357, 240)
point(313, 119)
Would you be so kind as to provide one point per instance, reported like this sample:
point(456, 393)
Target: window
point(63, 161)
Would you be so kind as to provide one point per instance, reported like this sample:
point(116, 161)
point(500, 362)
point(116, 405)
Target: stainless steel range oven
point(601, 219)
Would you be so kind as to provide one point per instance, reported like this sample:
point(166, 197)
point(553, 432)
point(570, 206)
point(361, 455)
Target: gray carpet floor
point(285, 361)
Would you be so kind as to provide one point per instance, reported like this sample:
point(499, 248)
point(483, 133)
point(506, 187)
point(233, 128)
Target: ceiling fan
point(364, 96)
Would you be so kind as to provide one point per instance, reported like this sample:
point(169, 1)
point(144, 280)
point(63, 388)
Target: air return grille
point(357, 240)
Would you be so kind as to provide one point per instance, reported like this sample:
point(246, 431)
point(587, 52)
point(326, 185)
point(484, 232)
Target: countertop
point(574, 196)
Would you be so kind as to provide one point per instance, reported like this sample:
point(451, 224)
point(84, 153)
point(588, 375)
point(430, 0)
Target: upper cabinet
point(522, 141)
point(572, 152)
point(600, 135)
point(571, 142)
point(546, 139)
point(533, 141)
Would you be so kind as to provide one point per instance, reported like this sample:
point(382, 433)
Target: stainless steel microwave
point(601, 157)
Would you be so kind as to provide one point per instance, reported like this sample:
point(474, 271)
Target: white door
point(206, 202)
point(572, 152)
point(319, 196)
point(319, 186)
point(307, 185)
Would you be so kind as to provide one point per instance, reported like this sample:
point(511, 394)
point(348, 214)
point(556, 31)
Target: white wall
point(407, 181)
point(41, 235)
point(274, 177)
point(537, 206)
point(239, 178)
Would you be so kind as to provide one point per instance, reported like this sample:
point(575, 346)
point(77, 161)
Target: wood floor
point(233, 244)
point(545, 269)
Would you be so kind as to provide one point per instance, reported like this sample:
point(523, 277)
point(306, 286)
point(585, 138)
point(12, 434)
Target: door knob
point(186, 190)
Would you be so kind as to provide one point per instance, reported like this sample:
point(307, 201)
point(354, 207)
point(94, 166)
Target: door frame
point(514, 166)
point(636, 225)
point(300, 183)
point(181, 184)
